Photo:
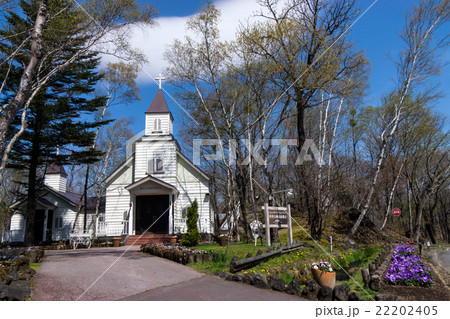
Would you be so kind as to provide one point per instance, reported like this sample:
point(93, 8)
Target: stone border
point(178, 256)
point(15, 272)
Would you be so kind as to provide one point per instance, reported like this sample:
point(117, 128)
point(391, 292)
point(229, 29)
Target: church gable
point(188, 172)
point(123, 174)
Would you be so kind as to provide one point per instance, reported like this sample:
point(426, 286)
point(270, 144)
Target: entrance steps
point(149, 239)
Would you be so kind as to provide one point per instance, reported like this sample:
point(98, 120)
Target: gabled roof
point(55, 168)
point(187, 160)
point(119, 168)
point(69, 197)
point(159, 104)
point(153, 179)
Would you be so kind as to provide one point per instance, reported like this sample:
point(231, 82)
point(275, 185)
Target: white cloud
point(154, 41)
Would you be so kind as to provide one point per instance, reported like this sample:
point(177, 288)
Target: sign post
point(396, 212)
point(278, 217)
point(291, 238)
point(266, 215)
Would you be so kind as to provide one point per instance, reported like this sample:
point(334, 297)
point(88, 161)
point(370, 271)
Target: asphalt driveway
point(118, 274)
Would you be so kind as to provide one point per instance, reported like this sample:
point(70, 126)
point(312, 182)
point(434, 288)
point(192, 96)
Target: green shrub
point(192, 237)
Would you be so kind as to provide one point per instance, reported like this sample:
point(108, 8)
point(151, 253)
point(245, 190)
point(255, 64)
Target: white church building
point(148, 193)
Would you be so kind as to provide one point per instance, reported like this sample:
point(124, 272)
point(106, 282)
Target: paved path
point(444, 259)
point(70, 275)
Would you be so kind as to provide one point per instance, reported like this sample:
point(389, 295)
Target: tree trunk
point(418, 221)
point(26, 80)
point(391, 196)
point(32, 187)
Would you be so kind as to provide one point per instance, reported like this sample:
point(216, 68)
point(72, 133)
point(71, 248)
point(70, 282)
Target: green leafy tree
point(192, 237)
point(60, 114)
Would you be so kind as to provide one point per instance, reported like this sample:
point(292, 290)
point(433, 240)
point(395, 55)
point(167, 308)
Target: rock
point(4, 289)
point(247, 280)
point(249, 255)
point(237, 278)
point(19, 290)
point(325, 294)
point(311, 289)
point(354, 296)
point(385, 297)
point(25, 276)
point(223, 274)
point(372, 269)
point(366, 277)
point(294, 288)
point(340, 293)
point(276, 283)
point(375, 283)
point(5, 279)
point(259, 282)
point(207, 258)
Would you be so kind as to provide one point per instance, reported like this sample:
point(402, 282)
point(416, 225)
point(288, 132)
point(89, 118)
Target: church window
point(159, 165)
point(157, 125)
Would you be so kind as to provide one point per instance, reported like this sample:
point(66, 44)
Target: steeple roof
point(55, 168)
point(158, 104)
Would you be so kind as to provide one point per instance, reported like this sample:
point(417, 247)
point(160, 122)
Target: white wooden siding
point(166, 123)
point(145, 151)
point(193, 186)
point(118, 199)
point(56, 181)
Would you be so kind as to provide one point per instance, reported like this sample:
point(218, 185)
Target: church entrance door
point(148, 210)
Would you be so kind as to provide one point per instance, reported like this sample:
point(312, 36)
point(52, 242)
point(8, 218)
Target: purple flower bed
point(407, 268)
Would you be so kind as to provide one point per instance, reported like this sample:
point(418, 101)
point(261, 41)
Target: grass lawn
point(296, 264)
point(35, 266)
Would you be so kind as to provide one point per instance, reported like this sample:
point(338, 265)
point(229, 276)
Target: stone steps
point(149, 239)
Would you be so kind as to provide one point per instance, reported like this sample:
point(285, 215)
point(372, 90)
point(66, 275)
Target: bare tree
point(416, 64)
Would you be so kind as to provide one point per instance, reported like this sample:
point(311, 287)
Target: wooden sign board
point(277, 217)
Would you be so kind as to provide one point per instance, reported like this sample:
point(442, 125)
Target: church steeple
point(158, 119)
point(56, 177)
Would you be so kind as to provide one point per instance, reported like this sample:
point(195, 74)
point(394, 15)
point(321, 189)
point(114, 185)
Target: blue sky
point(377, 33)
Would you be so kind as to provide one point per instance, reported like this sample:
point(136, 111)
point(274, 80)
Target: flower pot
point(324, 278)
point(173, 239)
point(116, 242)
point(223, 241)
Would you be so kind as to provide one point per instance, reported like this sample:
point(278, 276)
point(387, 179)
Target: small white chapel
point(149, 193)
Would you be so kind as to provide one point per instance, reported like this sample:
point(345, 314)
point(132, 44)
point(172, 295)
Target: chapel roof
point(159, 104)
point(55, 168)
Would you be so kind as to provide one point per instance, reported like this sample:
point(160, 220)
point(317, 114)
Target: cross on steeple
point(160, 78)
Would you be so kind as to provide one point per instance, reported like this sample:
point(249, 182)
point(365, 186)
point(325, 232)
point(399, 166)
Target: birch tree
point(416, 64)
point(103, 24)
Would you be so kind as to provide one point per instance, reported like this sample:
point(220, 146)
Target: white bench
point(84, 238)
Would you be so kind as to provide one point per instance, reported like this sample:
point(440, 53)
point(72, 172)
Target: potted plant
point(223, 239)
point(323, 274)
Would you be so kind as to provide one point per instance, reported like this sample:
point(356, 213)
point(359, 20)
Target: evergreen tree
point(192, 237)
point(60, 116)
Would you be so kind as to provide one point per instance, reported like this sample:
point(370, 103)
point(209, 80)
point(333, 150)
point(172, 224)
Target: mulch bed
point(438, 291)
